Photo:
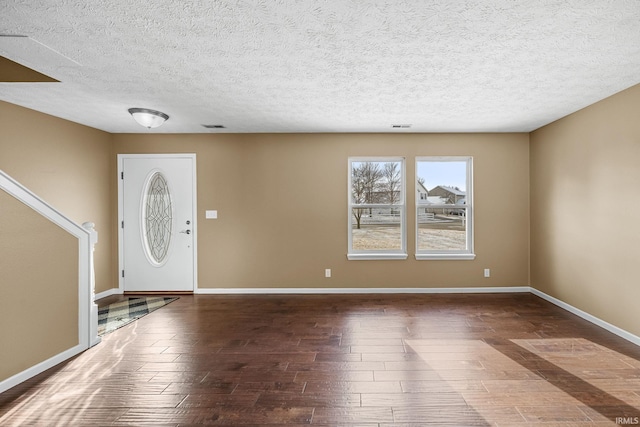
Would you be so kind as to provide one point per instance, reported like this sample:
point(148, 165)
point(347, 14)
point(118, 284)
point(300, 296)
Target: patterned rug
point(118, 314)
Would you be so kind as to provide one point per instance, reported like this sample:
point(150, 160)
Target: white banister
point(87, 310)
point(93, 307)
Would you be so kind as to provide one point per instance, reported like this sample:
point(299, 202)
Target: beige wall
point(281, 200)
point(39, 282)
point(282, 206)
point(69, 166)
point(585, 234)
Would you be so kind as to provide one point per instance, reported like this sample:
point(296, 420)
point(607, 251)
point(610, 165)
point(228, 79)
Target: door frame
point(121, 158)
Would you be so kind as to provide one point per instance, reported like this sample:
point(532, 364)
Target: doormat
point(121, 313)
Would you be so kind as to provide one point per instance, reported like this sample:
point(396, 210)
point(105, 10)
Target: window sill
point(452, 257)
point(373, 257)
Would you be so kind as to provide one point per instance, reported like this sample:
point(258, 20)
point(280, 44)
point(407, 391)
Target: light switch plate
point(211, 214)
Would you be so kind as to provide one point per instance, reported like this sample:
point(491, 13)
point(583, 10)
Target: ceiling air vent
point(213, 126)
point(401, 126)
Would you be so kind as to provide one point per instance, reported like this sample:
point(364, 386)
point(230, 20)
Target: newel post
point(93, 307)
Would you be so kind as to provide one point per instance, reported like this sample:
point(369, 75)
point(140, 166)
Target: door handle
point(186, 231)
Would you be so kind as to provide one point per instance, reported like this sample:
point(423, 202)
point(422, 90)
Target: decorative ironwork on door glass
point(157, 218)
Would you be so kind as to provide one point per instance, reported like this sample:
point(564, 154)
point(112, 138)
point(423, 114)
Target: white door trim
point(121, 158)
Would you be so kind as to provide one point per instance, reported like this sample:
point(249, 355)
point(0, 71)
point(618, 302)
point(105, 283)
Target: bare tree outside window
point(365, 181)
point(391, 182)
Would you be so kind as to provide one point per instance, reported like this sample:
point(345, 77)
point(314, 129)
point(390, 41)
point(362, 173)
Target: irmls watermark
point(629, 421)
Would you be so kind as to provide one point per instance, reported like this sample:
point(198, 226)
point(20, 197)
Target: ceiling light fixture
point(148, 118)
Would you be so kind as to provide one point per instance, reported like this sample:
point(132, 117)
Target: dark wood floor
point(330, 360)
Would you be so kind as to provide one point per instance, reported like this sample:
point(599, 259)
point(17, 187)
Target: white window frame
point(468, 253)
point(382, 254)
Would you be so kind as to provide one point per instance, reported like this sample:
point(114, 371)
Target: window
point(377, 226)
point(444, 210)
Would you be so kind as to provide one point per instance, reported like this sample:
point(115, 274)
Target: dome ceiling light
point(148, 118)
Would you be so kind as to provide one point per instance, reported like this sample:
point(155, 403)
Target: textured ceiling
point(321, 66)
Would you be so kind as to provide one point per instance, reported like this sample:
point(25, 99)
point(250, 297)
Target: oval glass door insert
point(157, 219)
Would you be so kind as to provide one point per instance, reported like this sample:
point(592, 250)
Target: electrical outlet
point(487, 272)
point(327, 272)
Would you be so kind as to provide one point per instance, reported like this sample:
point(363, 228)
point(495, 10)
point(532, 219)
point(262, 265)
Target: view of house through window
point(377, 206)
point(443, 206)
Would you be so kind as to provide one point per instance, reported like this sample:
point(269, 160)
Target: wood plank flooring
point(343, 360)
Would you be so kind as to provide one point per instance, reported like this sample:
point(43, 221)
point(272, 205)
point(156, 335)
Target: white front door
point(157, 222)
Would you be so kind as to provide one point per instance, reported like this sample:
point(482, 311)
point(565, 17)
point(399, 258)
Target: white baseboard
point(588, 317)
point(249, 291)
point(39, 368)
point(108, 293)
